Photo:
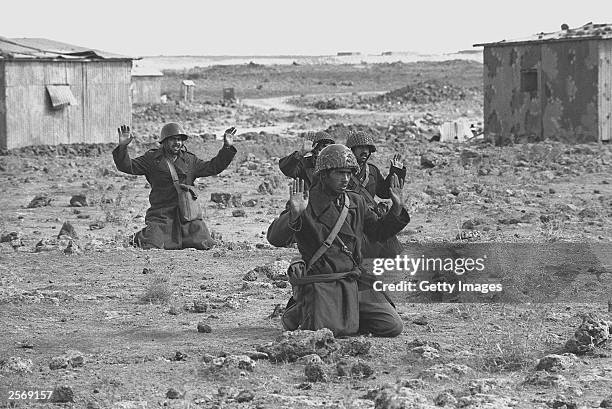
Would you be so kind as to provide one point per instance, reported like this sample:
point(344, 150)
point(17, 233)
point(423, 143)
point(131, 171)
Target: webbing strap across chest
point(332, 234)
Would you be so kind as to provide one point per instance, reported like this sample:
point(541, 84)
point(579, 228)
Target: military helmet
point(336, 156)
point(321, 136)
point(360, 138)
point(172, 129)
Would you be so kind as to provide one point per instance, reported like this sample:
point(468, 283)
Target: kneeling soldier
point(328, 223)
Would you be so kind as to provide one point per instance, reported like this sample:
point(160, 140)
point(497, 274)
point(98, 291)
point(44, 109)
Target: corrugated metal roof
point(61, 96)
point(138, 71)
point(588, 31)
point(42, 48)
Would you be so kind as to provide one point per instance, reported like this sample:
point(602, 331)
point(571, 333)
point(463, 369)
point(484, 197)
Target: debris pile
point(424, 92)
point(593, 332)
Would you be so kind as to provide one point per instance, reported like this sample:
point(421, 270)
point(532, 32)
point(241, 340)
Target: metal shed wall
point(563, 107)
point(100, 87)
point(605, 90)
point(2, 108)
point(146, 89)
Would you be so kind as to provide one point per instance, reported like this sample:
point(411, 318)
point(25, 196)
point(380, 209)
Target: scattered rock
point(413, 383)
point(67, 230)
point(445, 371)
point(99, 225)
point(237, 361)
point(397, 396)
point(245, 396)
point(563, 402)
point(200, 306)
point(202, 327)
point(179, 356)
point(62, 394)
point(482, 385)
point(425, 352)
point(481, 400)
point(14, 238)
point(591, 333)
point(40, 200)
point(256, 355)
point(269, 185)
point(207, 358)
point(606, 402)
point(555, 363)
point(250, 276)
point(343, 368)
point(250, 203)
point(310, 359)
point(355, 346)
point(420, 320)
point(315, 372)
point(75, 358)
point(70, 358)
point(444, 399)
point(78, 201)
point(292, 345)
point(223, 198)
point(361, 370)
point(471, 224)
point(15, 364)
point(173, 394)
point(547, 380)
point(238, 213)
point(588, 213)
point(72, 248)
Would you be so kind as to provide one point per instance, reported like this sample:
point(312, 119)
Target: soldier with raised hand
point(164, 227)
point(370, 183)
point(301, 164)
point(333, 286)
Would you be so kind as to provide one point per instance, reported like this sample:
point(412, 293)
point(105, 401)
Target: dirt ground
point(105, 325)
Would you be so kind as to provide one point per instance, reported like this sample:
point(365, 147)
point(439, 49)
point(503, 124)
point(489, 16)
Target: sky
point(286, 27)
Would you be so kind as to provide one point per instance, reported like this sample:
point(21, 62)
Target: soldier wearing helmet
point(309, 218)
point(370, 183)
point(164, 229)
point(300, 164)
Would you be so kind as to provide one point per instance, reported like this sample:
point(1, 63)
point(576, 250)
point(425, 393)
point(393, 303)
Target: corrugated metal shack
point(146, 85)
point(554, 86)
point(55, 93)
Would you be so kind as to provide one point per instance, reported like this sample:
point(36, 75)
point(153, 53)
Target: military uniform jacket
point(375, 184)
point(315, 223)
point(154, 167)
point(298, 166)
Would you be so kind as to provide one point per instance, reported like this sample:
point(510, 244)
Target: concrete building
point(55, 93)
point(551, 86)
point(146, 85)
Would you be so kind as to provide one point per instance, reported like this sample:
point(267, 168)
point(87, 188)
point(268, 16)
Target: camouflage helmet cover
point(317, 137)
point(336, 156)
point(360, 138)
point(172, 129)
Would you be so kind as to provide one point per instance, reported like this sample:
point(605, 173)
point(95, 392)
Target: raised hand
point(306, 146)
point(125, 135)
point(228, 136)
point(396, 188)
point(298, 198)
point(396, 162)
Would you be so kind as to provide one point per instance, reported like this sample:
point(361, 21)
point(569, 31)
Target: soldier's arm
point(381, 228)
point(281, 231)
point(291, 165)
point(124, 163)
point(217, 164)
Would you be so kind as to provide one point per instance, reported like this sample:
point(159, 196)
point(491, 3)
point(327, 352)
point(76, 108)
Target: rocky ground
point(104, 325)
